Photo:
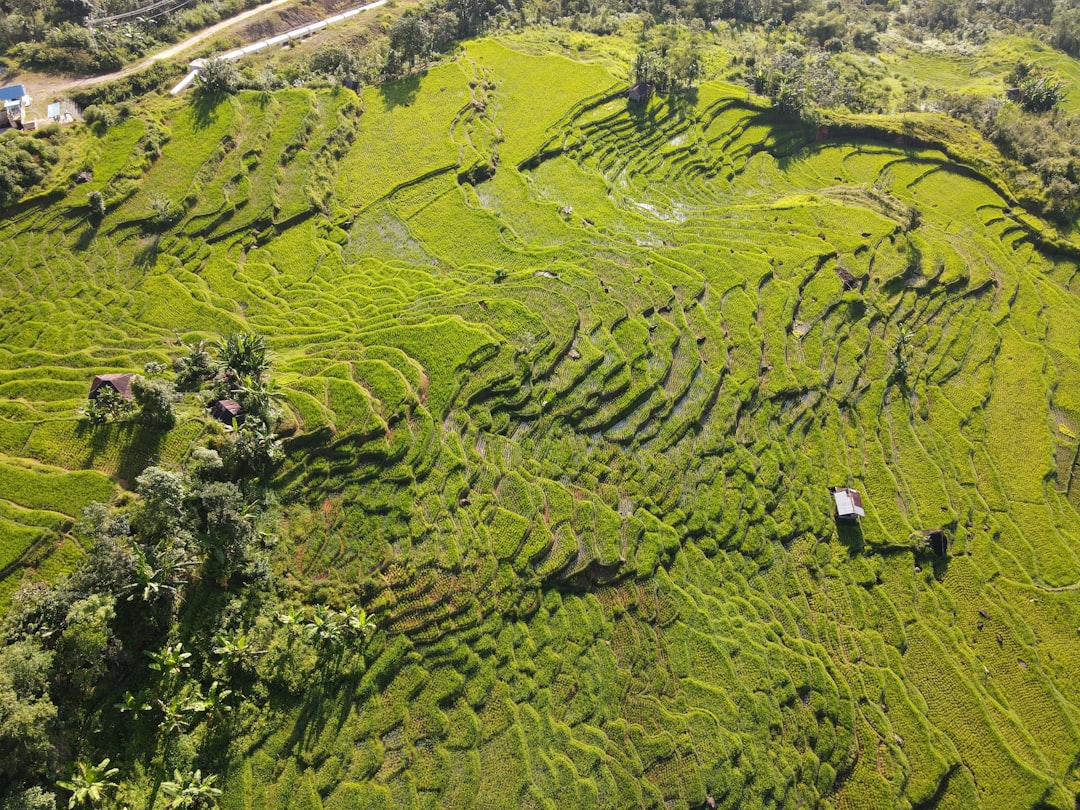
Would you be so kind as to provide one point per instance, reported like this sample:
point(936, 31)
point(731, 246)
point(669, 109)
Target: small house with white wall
point(12, 100)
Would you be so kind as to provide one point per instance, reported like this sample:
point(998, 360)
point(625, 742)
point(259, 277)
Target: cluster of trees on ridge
point(131, 667)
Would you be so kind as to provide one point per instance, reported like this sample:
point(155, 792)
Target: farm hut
point(640, 92)
point(1014, 95)
point(848, 503)
point(120, 383)
point(847, 279)
point(11, 104)
point(937, 541)
point(227, 411)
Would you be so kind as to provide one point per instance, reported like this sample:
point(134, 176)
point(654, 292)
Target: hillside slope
point(571, 381)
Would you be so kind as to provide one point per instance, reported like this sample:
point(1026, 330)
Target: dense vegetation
point(24, 163)
point(545, 393)
point(95, 36)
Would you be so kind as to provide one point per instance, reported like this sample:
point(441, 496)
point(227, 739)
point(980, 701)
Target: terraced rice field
point(571, 381)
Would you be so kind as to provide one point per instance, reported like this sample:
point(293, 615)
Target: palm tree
point(215, 700)
point(89, 783)
point(235, 648)
point(257, 396)
point(177, 714)
point(191, 790)
point(244, 353)
point(325, 626)
point(196, 366)
point(171, 660)
point(165, 570)
point(132, 703)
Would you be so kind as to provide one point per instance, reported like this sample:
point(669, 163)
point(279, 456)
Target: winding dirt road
point(169, 52)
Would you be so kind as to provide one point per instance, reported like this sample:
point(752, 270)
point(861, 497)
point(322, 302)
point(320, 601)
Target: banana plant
point(89, 784)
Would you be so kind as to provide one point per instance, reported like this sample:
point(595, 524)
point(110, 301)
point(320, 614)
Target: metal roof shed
point(13, 92)
point(848, 503)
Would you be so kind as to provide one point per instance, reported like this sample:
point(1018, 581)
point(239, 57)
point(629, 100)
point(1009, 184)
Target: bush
point(24, 163)
point(137, 84)
point(100, 115)
point(155, 400)
point(864, 37)
point(95, 200)
point(1041, 93)
point(217, 78)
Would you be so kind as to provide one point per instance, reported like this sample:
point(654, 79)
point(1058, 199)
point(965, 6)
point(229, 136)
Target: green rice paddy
point(571, 381)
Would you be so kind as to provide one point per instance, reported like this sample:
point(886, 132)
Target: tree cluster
point(801, 81)
point(1039, 91)
point(237, 368)
point(70, 647)
point(668, 59)
point(77, 36)
point(25, 161)
point(1044, 148)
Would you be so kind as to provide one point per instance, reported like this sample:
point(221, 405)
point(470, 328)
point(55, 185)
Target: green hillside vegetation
point(562, 384)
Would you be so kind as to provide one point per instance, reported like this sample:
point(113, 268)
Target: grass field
point(573, 379)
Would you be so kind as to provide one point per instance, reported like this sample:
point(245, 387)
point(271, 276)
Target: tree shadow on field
point(205, 109)
point(86, 238)
point(851, 535)
point(139, 445)
point(684, 104)
point(146, 255)
point(401, 93)
point(646, 116)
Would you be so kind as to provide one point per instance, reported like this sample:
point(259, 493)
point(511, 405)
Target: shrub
point(137, 84)
point(155, 400)
point(1041, 93)
point(864, 37)
point(101, 116)
point(217, 77)
point(95, 200)
point(24, 163)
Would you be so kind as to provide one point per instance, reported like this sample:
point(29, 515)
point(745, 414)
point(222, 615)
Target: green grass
point(568, 431)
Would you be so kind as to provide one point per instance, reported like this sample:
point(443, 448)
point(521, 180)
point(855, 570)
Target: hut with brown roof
point(119, 383)
point(640, 92)
point(227, 411)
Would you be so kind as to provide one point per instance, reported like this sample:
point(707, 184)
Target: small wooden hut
point(227, 411)
point(640, 92)
point(937, 541)
point(118, 383)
